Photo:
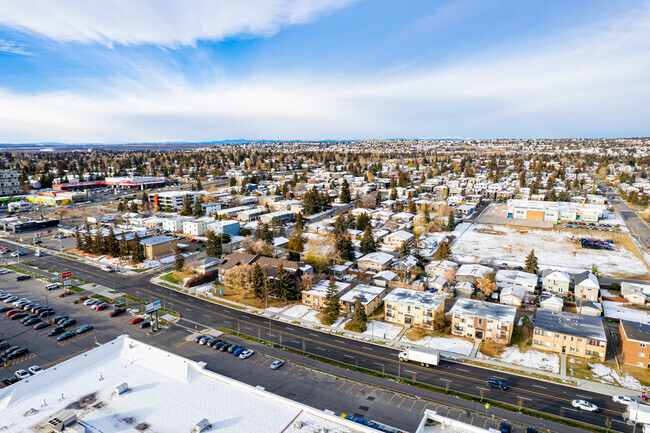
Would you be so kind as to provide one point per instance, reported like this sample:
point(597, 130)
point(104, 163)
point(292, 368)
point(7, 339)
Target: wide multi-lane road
point(540, 395)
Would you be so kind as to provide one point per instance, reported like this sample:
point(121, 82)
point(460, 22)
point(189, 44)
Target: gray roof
point(570, 324)
point(415, 297)
point(636, 331)
point(487, 310)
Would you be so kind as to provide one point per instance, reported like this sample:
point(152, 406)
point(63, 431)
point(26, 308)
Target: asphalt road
point(543, 396)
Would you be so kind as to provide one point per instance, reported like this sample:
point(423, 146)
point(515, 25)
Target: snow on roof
point(516, 277)
point(590, 280)
point(364, 292)
point(166, 391)
point(388, 275)
point(443, 264)
point(323, 286)
point(558, 275)
point(377, 257)
point(416, 298)
point(478, 271)
point(487, 310)
point(570, 324)
point(402, 235)
point(553, 300)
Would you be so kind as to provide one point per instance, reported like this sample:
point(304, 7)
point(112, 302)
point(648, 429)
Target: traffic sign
point(67, 282)
point(487, 405)
point(54, 278)
point(66, 274)
point(154, 306)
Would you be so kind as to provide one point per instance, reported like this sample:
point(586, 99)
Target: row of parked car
point(99, 305)
point(219, 344)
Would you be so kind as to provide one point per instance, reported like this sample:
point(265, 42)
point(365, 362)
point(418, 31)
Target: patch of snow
point(340, 322)
point(617, 310)
point(297, 311)
point(311, 316)
point(452, 344)
point(382, 330)
point(608, 375)
point(531, 359)
point(553, 248)
point(274, 309)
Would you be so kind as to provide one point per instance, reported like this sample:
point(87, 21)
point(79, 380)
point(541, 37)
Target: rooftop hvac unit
point(60, 422)
point(323, 430)
point(201, 426)
point(121, 389)
point(298, 425)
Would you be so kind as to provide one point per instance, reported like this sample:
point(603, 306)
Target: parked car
point(4, 345)
point(623, 399)
point(29, 317)
point(33, 321)
point(239, 351)
point(496, 383)
point(198, 338)
point(60, 318)
point(145, 324)
point(213, 341)
point(84, 328)
point(65, 336)
point(137, 319)
point(225, 347)
point(18, 316)
point(42, 325)
point(8, 350)
point(56, 331)
point(68, 322)
point(504, 427)
point(9, 380)
point(117, 311)
point(219, 345)
point(100, 306)
point(13, 311)
point(22, 374)
point(18, 353)
point(91, 301)
point(584, 405)
point(246, 354)
point(46, 313)
point(23, 277)
point(5, 309)
point(34, 369)
point(277, 364)
point(234, 347)
point(204, 339)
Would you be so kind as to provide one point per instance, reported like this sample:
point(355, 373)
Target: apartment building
point(370, 297)
point(634, 338)
point(230, 227)
point(196, 227)
point(158, 247)
point(516, 280)
point(556, 282)
point(573, 334)
point(586, 287)
point(483, 320)
point(413, 308)
point(9, 184)
point(171, 199)
point(316, 296)
point(280, 216)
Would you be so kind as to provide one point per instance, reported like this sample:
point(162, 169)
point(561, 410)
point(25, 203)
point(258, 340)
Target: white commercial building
point(196, 227)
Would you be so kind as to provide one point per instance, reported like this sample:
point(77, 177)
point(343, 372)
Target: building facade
point(413, 308)
point(9, 184)
point(634, 339)
point(483, 320)
point(573, 334)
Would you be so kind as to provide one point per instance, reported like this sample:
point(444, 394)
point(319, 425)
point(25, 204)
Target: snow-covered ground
point(618, 310)
point(553, 248)
point(297, 311)
point(274, 310)
point(382, 330)
point(531, 359)
point(614, 219)
point(608, 375)
point(452, 344)
point(311, 316)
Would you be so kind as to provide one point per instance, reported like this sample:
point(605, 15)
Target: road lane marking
point(462, 369)
point(540, 386)
point(524, 398)
point(348, 356)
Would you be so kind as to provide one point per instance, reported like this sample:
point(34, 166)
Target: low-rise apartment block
point(573, 334)
point(634, 338)
point(483, 320)
point(413, 308)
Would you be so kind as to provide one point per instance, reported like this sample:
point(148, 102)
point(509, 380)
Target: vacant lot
point(557, 249)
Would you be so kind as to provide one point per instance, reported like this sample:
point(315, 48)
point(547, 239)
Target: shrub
point(327, 320)
point(355, 326)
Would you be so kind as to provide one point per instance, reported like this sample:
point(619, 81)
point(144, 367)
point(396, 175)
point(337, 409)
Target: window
point(642, 345)
point(641, 355)
point(579, 340)
point(480, 322)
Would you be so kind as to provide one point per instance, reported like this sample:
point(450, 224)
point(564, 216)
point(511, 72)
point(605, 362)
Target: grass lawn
point(171, 278)
point(238, 296)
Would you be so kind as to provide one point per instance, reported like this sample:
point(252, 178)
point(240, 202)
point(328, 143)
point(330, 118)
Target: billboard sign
point(66, 274)
point(154, 306)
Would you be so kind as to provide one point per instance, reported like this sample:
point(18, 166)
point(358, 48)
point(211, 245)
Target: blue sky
point(119, 71)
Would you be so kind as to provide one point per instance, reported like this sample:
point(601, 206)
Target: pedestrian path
point(477, 344)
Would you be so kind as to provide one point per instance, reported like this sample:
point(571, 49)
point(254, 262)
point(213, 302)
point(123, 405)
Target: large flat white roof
point(168, 392)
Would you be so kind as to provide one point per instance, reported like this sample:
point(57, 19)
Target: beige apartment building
point(413, 307)
point(573, 334)
point(483, 320)
point(158, 247)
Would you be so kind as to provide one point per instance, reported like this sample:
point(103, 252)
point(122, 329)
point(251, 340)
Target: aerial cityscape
point(327, 216)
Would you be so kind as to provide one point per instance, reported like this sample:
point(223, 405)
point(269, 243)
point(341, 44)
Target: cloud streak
point(169, 23)
point(13, 48)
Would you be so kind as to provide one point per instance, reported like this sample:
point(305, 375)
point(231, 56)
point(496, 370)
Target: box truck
point(424, 356)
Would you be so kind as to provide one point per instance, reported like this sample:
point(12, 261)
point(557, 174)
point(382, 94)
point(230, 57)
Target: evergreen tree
point(137, 256)
point(264, 233)
point(199, 187)
point(213, 246)
point(197, 209)
point(368, 244)
point(363, 221)
point(121, 207)
point(345, 247)
point(552, 196)
point(285, 288)
point(88, 241)
point(124, 247)
point(296, 246)
point(179, 262)
point(300, 224)
point(378, 198)
point(359, 312)
point(332, 302)
point(345, 196)
point(257, 281)
point(145, 201)
point(393, 193)
point(443, 252)
point(186, 210)
point(112, 247)
point(339, 225)
point(451, 223)
point(133, 207)
point(80, 242)
point(531, 263)
point(404, 249)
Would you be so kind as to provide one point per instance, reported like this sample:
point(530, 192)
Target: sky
point(118, 71)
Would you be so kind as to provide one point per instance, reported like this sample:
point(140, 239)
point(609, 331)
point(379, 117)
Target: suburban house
point(315, 297)
point(634, 338)
point(586, 286)
point(157, 247)
point(471, 273)
point(483, 320)
point(635, 293)
point(556, 282)
point(377, 261)
point(441, 268)
point(516, 279)
point(513, 296)
point(437, 283)
point(464, 290)
point(383, 278)
point(551, 302)
point(269, 264)
point(370, 297)
point(413, 308)
point(395, 240)
point(569, 333)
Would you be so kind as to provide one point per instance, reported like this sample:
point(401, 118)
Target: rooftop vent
point(298, 425)
point(121, 389)
point(201, 426)
point(59, 423)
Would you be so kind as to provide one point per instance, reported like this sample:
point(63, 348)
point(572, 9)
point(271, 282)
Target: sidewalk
point(397, 343)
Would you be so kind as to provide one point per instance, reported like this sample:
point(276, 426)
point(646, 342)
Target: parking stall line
point(353, 385)
point(391, 399)
point(341, 385)
point(400, 403)
point(411, 408)
point(184, 342)
point(424, 408)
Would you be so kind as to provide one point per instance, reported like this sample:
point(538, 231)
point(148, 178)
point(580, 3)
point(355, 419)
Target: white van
point(52, 286)
point(39, 253)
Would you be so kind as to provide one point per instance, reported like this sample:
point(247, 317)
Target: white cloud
point(591, 83)
point(13, 48)
point(159, 22)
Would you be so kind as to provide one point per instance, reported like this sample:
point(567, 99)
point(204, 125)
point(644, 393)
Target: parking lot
point(44, 350)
